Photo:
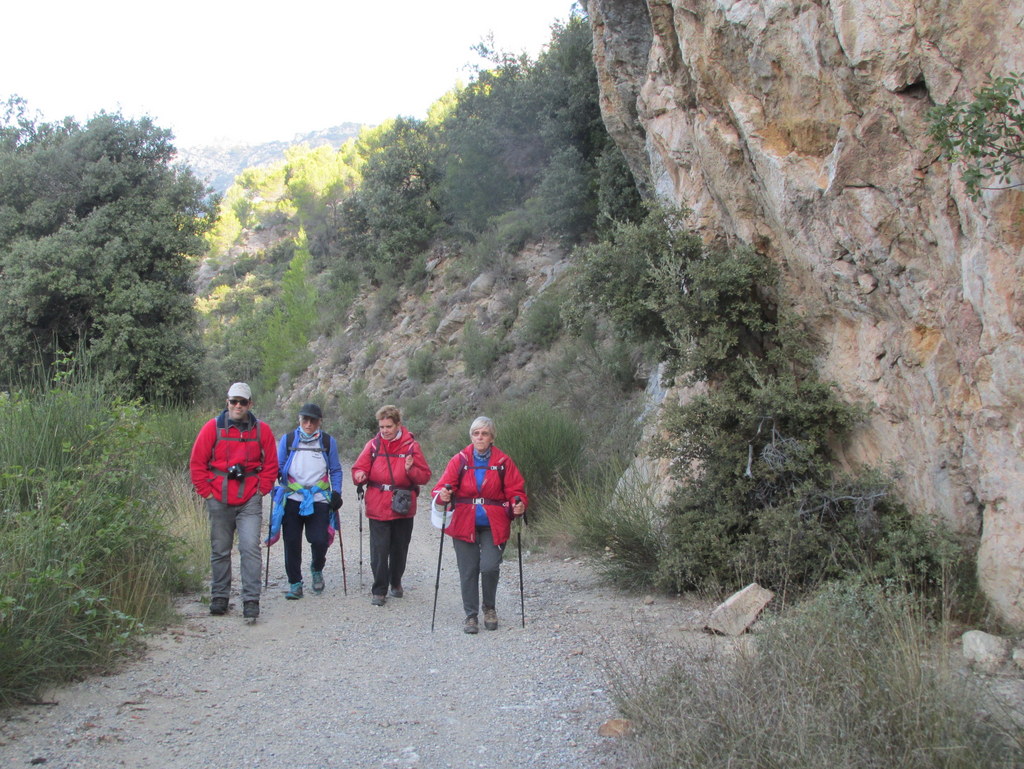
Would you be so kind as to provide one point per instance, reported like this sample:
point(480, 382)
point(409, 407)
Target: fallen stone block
point(739, 611)
point(985, 651)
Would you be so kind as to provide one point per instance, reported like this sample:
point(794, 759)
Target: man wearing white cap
point(233, 464)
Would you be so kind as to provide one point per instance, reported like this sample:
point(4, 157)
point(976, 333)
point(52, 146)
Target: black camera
point(236, 473)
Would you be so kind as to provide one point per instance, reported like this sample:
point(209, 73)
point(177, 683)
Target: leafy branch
point(987, 134)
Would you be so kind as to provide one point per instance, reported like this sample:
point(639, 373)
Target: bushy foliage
point(89, 549)
point(480, 350)
point(546, 443)
point(423, 366)
point(395, 211)
point(529, 136)
point(286, 335)
point(543, 322)
point(96, 231)
point(757, 497)
point(618, 278)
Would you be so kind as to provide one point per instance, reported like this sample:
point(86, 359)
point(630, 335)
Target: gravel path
point(331, 681)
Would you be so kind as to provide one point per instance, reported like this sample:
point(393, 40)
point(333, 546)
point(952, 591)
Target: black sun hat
point(311, 410)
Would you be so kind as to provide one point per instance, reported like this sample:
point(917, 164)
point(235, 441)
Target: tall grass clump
point(547, 445)
point(612, 516)
point(88, 548)
point(852, 679)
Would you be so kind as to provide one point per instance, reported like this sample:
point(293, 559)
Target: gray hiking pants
point(479, 564)
point(225, 520)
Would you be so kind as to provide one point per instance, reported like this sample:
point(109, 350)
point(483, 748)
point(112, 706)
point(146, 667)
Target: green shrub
point(852, 679)
point(423, 366)
point(543, 322)
point(479, 351)
point(91, 546)
point(546, 444)
point(356, 420)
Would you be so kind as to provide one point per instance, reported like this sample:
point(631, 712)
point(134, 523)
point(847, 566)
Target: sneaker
point(490, 618)
point(218, 606)
point(471, 626)
point(397, 591)
point(318, 582)
point(294, 591)
point(251, 609)
point(377, 600)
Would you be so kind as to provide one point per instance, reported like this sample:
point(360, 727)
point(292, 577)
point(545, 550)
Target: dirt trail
point(331, 681)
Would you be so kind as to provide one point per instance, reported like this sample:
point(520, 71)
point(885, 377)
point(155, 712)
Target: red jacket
point(221, 445)
point(373, 460)
point(499, 490)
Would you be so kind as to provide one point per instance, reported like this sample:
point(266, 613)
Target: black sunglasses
point(238, 401)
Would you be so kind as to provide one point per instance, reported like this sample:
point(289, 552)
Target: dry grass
point(852, 679)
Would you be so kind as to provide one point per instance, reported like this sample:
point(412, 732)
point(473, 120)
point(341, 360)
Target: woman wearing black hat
point(311, 477)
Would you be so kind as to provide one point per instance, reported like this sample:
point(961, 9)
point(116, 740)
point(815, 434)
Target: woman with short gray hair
point(488, 492)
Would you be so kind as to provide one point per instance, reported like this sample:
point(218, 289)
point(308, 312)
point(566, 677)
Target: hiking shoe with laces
point(377, 600)
point(471, 626)
point(218, 606)
point(397, 591)
point(490, 618)
point(251, 609)
point(294, 591)
point(318, 582)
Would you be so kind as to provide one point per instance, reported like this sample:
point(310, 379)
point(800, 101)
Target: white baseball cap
point(240, 390)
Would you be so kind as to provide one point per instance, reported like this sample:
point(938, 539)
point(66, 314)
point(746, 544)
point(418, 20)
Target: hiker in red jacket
point(393, 468)
point(233, 465)
point(489, 492)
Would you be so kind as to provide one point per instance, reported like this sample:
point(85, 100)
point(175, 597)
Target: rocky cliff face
point(799, 128)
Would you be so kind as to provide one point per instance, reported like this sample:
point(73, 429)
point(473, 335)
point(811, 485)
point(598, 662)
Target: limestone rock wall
point(799, 128)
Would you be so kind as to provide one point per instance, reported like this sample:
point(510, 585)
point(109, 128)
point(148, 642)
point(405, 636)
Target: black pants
point(389, 548)
point(315, 526)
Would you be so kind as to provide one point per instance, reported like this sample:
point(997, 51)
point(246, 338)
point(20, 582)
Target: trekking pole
point(440, 549)
point(341, 546)
point(266, 576)
point(519, 546)
point(359, 493)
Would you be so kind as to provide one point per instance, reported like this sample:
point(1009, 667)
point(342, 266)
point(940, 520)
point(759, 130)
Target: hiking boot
point(471, 626)
point(397, 591)
point(490, 618)
point(251, 609)
point(294, 591)
point(318, 582)
point(377, 600)
point(218, 606)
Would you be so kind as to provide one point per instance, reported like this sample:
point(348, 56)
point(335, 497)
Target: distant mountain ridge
point(219, 164)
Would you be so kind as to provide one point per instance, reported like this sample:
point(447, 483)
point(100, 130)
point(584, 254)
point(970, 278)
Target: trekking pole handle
point(515, 501)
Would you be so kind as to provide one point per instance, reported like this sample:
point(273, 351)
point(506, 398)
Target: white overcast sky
point(254, 71)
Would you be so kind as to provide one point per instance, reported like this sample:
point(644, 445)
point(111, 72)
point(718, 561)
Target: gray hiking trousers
point(479, 567)
point(225, 520)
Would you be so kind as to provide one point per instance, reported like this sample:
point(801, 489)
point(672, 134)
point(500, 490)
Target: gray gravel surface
point(331, 681)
